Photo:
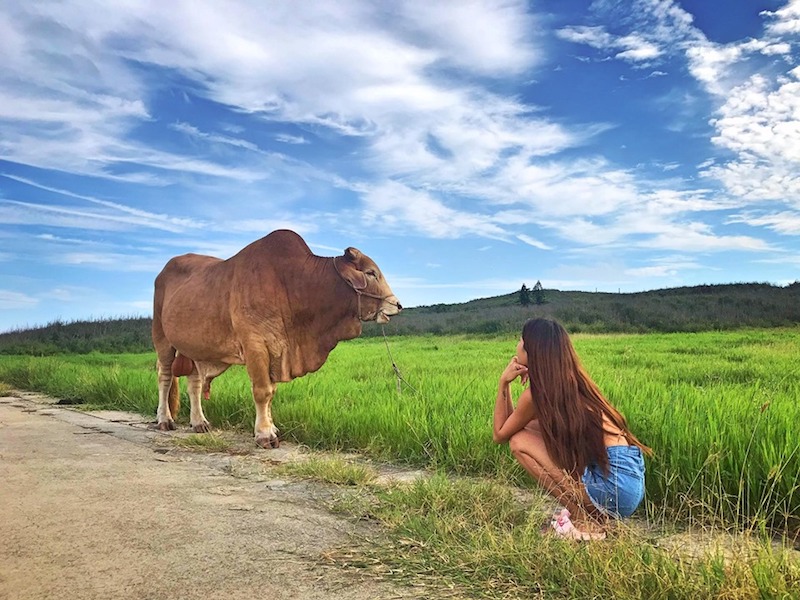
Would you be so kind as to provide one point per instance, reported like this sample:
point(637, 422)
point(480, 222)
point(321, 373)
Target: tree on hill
point(524, 295)
point(538, 293)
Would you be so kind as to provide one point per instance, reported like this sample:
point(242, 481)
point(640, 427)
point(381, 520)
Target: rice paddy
point(720, 409)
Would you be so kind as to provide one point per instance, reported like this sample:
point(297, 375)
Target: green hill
point(698, 308)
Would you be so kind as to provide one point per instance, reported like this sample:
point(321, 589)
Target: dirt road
point(92, 506)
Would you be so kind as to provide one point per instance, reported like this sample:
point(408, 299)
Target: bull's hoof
point(268, 441)
point(167, 426)
point(203, 427)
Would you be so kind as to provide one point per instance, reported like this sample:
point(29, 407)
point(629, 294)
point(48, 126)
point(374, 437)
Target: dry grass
point(329, 470)
point(475, 538)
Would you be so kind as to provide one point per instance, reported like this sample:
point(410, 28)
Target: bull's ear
point(352, 254)
point(357, 279)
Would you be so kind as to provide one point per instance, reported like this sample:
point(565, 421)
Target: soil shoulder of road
point(98, 505)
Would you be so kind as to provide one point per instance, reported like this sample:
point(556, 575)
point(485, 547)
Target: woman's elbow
point(497, 438)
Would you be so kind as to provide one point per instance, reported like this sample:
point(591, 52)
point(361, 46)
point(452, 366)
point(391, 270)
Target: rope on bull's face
point(400, 379)
point(360, 293)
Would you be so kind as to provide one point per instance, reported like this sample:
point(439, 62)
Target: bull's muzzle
point(389, 307)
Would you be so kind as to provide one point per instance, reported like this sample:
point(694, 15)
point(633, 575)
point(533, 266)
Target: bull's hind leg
point(166, 381)
point(266, 433)
point(200, 381)
point(197, 418)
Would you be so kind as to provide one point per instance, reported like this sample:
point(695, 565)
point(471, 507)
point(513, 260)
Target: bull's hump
point(279, 243)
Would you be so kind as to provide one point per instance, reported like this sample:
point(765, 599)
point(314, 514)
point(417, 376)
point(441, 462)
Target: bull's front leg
point(166, 420)
point(266, 434)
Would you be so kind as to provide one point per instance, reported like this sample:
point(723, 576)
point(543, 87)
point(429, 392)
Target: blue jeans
point(622, 490)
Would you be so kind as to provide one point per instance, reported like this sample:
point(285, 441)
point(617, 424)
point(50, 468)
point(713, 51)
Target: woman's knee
point(518, 443)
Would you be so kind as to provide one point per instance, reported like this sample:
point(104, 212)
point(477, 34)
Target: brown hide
point(274, 295)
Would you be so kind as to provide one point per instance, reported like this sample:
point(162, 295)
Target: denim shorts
point(622, 490)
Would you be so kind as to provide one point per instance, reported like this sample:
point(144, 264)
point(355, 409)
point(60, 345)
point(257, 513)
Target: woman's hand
point(512, 371)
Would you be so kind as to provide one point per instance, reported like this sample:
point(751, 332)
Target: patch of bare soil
point(99, 505)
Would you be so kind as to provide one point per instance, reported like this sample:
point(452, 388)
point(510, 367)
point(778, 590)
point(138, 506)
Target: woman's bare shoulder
point(526, 400)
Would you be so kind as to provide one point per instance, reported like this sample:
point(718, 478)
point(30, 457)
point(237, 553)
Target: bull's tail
point(174, 398)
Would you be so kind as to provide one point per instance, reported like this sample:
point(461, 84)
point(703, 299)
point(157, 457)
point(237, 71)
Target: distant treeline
point(684, 309)
point(112, 336)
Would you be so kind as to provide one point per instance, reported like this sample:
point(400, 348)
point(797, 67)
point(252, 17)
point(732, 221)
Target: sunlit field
point(720, 410)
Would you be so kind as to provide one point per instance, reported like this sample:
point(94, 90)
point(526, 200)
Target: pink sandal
point(564, 528)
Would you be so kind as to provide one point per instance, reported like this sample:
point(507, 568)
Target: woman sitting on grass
point(567, 435)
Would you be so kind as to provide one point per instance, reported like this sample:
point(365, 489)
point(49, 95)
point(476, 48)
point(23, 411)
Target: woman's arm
point(507, 420)
point(502, 410)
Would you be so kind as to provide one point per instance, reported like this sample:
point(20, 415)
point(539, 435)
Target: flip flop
point(564, 528)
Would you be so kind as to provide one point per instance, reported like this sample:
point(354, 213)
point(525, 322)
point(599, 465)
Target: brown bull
point(274, 307)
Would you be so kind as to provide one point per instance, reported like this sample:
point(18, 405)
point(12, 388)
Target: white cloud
point(413, 91)
point(31, 213)
point(59, 240)
point(132, 215)
point(447, 137)
point(109, 261)
point(757, 90)
point(760, 123)
point(393, 205)
point(70, 293)
point(533, 242)
point(502, 286)
point(658, 219)
point(596, 37)
point(669, 266)
point(657, 29)
point(194, 132)
point(694, 238)
point(637, 49)
point(505, 33)
point(654, 271)
point(12, 300)
point(785, 223)
point(291, 139)
point(142, 305)
point(444, 152)
point(554, 189)
point(784, 21)
point(710, 63)
point(788, 259)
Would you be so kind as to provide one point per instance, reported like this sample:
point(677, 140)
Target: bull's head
point(376, 300)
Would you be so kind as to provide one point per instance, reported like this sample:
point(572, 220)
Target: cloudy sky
point(468, 146)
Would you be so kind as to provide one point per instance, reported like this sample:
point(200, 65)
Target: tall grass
point(719, 409)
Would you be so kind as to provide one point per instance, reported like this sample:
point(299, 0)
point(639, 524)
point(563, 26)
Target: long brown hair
point(569, 405)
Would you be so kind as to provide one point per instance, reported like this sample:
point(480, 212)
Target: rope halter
point(374, 314)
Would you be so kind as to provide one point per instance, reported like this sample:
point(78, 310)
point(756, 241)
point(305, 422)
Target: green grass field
point(719, 409)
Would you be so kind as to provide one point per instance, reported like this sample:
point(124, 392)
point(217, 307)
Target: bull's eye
point(372, 274)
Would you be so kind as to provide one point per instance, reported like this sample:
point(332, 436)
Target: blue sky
point(468, 147)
